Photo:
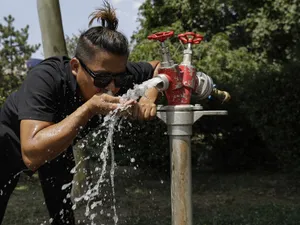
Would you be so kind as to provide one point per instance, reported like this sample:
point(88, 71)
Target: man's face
point(103, 74)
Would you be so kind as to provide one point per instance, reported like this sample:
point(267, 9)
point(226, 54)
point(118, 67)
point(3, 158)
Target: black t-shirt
point(49, 92)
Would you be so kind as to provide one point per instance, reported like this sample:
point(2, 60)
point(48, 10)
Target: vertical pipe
point(51, 28)
point(181, 186)
point(180, 119)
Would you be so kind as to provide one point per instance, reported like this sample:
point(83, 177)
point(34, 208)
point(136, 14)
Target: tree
point(251, 49)
point(71, 43)
point(268, 28)
point(14, 52)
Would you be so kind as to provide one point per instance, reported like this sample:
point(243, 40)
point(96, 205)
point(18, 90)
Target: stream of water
point(91, 196)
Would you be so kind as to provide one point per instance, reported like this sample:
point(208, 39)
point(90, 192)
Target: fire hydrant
point(179, 82)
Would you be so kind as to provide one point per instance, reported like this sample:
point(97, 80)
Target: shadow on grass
point(228, 199)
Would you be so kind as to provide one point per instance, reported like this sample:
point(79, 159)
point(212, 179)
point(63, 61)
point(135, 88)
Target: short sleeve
point(141, 71)
point(38, 95)
point(137, 73)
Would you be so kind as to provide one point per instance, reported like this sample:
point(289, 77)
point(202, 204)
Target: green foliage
point(271, 30)
point(272, 106)
point(250, 49)
point(143, 144)
point(14, 51)
point(71, 43)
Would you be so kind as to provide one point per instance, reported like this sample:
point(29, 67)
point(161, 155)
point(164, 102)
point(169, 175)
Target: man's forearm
point(52, 140)
point(152, 93)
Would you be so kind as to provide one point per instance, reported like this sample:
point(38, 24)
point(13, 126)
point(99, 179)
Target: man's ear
point(74, 66)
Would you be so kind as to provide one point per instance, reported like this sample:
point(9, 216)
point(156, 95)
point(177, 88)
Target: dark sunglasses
point(103, 78)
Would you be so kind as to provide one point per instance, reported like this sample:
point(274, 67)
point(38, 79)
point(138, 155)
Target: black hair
point(104, 37)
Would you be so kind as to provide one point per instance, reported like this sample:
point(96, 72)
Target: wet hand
point(102, 103)
point(144, 111)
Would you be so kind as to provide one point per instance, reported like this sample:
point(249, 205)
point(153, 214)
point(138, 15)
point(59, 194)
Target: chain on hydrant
point(181, 81)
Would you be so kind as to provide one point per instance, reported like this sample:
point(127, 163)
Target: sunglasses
point(103, 78)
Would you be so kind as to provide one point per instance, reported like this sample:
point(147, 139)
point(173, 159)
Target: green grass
point(232, 199)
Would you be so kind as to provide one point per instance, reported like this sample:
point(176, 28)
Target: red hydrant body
point(182, 78)
point(181, 83)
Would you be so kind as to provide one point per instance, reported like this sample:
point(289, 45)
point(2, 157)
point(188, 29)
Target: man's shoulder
point(54, 67)
point(140, 64)
point(55, 63)
point(140, 70)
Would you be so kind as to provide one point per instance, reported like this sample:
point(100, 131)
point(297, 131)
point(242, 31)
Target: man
point(39, 122)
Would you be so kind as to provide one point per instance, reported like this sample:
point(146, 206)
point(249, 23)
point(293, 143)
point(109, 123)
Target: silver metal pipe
point(187, 55)
point(205, 85)
point(163, 82)
point(181, 175)
point(180, 119)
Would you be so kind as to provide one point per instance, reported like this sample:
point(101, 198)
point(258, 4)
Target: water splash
point(140, 89)
point(110, 121)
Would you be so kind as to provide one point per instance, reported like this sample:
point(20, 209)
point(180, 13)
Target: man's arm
point(146, 109)
point(43, 141)
point(152, 93)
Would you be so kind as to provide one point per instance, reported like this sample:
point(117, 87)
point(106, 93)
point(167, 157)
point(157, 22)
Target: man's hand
point(105, 103)
point(144, 110)
point(102, 103)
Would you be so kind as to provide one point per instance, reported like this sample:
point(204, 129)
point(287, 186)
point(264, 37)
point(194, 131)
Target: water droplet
point(65, 186)
point(74, 206)
point(92, 216)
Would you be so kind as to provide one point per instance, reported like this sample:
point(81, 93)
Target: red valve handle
point(193, 39)
point(161, 36)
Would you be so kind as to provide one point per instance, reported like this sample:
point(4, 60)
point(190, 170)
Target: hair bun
point(106, 16)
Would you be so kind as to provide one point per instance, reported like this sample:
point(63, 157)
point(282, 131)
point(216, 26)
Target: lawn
point(143, 199)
